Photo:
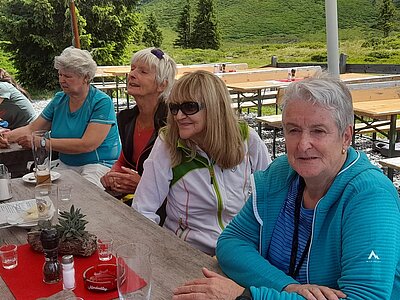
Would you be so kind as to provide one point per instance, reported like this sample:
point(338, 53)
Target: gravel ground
point(362, 143)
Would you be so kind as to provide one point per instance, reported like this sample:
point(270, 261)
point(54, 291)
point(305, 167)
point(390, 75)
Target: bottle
point(51, 266)
point(68, 272)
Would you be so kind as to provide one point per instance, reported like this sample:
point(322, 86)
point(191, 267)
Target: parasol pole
point(332, 36)
point(74, 24)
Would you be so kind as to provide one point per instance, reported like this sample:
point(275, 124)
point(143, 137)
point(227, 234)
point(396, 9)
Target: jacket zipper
point(214, 183)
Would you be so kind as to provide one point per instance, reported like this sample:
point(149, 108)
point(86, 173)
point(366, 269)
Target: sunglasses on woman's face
point(187, 108)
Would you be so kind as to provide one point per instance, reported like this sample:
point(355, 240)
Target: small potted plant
point(74, 239)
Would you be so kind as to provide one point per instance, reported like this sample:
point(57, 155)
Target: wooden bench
point(250, 100)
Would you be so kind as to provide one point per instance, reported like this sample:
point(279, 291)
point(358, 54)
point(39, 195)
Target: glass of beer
point(41, 149)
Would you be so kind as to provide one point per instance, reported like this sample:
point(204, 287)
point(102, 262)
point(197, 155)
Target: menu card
point(9, 208)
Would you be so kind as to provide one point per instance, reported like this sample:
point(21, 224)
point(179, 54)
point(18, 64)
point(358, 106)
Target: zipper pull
point(211, 170)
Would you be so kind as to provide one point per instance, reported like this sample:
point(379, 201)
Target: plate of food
point(30, 177)
point(29, 216)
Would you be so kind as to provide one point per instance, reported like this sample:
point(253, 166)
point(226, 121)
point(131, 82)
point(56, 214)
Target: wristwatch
point(245, 296)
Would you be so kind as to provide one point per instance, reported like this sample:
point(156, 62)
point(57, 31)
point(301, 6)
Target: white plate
point(17, 219)
point(30, 177)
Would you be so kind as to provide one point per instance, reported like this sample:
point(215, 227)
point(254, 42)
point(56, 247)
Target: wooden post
point(74, 24)
point(274, 61)
point(342, 63)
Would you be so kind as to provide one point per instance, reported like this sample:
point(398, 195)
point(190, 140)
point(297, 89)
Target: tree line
point(34, 31)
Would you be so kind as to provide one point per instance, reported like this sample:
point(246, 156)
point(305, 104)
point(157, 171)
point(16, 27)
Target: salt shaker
point(5, 183)
point(68, 272)
point(51, 266)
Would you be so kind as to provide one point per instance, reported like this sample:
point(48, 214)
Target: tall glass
point(134, 271)
point(41, 150)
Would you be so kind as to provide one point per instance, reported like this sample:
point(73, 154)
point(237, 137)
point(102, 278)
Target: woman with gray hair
point(150, 81)
point(81, 119)
point(322, 221)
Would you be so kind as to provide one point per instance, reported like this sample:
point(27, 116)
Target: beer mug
point(41, 150)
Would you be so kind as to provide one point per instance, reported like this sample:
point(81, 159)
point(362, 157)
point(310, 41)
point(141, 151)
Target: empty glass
point(46, 196)
point(134, 271)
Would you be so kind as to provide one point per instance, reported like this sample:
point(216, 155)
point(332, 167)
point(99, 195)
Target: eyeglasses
point(187, 108)
point(158, 53)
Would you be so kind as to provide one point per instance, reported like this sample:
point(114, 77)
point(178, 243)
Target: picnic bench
point(393, 163)
point(252, 75)
point(360, 93)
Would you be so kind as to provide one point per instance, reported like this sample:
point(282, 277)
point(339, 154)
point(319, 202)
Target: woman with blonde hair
point(201, 162)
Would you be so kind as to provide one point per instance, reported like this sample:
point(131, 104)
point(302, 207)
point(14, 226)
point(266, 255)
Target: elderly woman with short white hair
point(81, 118)
point(149, 82)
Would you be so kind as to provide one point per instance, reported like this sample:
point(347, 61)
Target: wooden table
point(256, 87)
point(381, 110)
point(173, 261)
point(16, 159)
point(117, 72)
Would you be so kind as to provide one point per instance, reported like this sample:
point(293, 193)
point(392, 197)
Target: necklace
point(140, 129)
point(293, 269)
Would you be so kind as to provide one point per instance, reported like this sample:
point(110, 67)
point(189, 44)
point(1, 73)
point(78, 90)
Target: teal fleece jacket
point(355, 244)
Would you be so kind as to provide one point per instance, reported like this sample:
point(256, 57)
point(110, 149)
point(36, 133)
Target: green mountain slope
point(266, 19)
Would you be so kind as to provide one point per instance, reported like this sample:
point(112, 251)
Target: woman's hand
point(25, 141)
point(214, 286)
point(315, 292)
point(3, 138)
point(121, 182)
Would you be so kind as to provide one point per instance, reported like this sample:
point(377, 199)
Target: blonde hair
point(222, 139)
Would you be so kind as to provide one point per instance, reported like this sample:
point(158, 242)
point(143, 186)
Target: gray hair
point(162, 63)
point(77, 61)
point(327, 91)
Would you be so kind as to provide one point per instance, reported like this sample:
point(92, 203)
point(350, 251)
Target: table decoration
point(26, 282)
point(74, 239)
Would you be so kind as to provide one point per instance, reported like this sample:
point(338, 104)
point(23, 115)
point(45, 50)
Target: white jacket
point(198, 206)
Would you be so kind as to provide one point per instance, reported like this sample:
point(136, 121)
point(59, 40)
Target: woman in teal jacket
point(322, 222)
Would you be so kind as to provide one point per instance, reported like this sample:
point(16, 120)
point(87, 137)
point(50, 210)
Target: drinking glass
point(5, 183)
point(134, 271)
point(9, 256)
point(41, 150)
point(64, 197)
point(46, 196)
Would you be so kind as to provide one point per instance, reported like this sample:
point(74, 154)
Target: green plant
point(152, 35)
point(71, 224)
point(37, 31)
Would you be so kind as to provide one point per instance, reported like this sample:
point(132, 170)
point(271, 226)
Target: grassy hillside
point(266, 20)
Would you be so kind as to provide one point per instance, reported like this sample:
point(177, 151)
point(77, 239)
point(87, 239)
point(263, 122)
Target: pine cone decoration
point(74, 239)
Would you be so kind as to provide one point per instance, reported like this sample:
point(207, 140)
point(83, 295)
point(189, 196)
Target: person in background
point(149, 82)
point(322, 222)
point(201, 162)
point(81, 118)
point(15, 105)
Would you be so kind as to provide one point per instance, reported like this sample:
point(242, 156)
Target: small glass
point(64, 197)
point(104, 248)
point(9, 256)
